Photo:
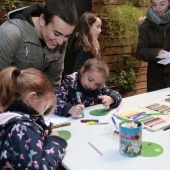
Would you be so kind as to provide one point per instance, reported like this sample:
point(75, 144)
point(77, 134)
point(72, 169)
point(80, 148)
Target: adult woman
point(153, 40)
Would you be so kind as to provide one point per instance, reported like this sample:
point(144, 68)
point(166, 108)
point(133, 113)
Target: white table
point(81, 156)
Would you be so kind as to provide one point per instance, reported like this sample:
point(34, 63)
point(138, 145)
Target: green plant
point(133, 2)
point(122, 22)
point(122, 25)
point(124, 79)
point(140, 2)
point(11, 4)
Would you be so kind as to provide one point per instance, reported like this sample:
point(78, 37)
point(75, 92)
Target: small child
point(25, 97)
point(89, 82)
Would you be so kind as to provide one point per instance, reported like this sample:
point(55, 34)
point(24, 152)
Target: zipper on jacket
point(26, 49)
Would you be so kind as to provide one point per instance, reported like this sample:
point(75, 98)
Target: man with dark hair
point(37, 36)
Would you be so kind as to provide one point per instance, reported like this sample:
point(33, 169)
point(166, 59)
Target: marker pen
point(50, 128)
point(166, 128)
point(96, 123)
point(121, 118)
point(88, 120)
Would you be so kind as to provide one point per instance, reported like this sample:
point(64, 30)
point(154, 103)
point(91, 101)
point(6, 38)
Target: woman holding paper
point(154, 41)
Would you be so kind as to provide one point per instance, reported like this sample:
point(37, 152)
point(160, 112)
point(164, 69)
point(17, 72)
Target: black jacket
point(151, 40)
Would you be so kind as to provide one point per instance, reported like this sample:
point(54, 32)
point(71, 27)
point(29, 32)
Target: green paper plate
point(99, 112)
point(64, 134)
point(150, 149)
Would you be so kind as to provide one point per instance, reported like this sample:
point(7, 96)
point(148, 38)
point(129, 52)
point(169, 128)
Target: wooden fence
point(112, 49)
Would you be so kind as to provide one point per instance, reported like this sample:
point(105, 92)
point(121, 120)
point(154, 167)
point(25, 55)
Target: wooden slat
point(117, 2)
point(141, 78)
point(141, 85)
point(112, 58)
point(117, 50)
point(140, 91)
point(142, 70)
point(98, 7)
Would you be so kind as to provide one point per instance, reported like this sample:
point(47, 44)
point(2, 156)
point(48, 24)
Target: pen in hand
point(79, 101)
point(50, 128)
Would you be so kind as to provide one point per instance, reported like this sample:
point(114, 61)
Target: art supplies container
point(130, 138)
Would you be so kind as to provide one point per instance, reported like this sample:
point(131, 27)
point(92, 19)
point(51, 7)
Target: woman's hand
point(161, 52)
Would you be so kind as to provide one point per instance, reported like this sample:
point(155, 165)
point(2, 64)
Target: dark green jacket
point(151, 40)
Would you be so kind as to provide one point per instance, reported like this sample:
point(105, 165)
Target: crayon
point(152, 114)
point(138, 115)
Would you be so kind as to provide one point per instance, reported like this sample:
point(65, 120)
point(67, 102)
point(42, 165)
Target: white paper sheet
point(165, 59)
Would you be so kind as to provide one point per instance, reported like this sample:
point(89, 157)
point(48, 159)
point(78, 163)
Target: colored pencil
point(79, 101)
point(94, 147)
point(114, 122)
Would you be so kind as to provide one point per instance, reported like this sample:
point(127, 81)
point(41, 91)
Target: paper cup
point(130, 138)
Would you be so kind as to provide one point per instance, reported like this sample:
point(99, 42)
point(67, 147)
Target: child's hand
point(76, 111)
point(54, 133)
point(106, 100)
